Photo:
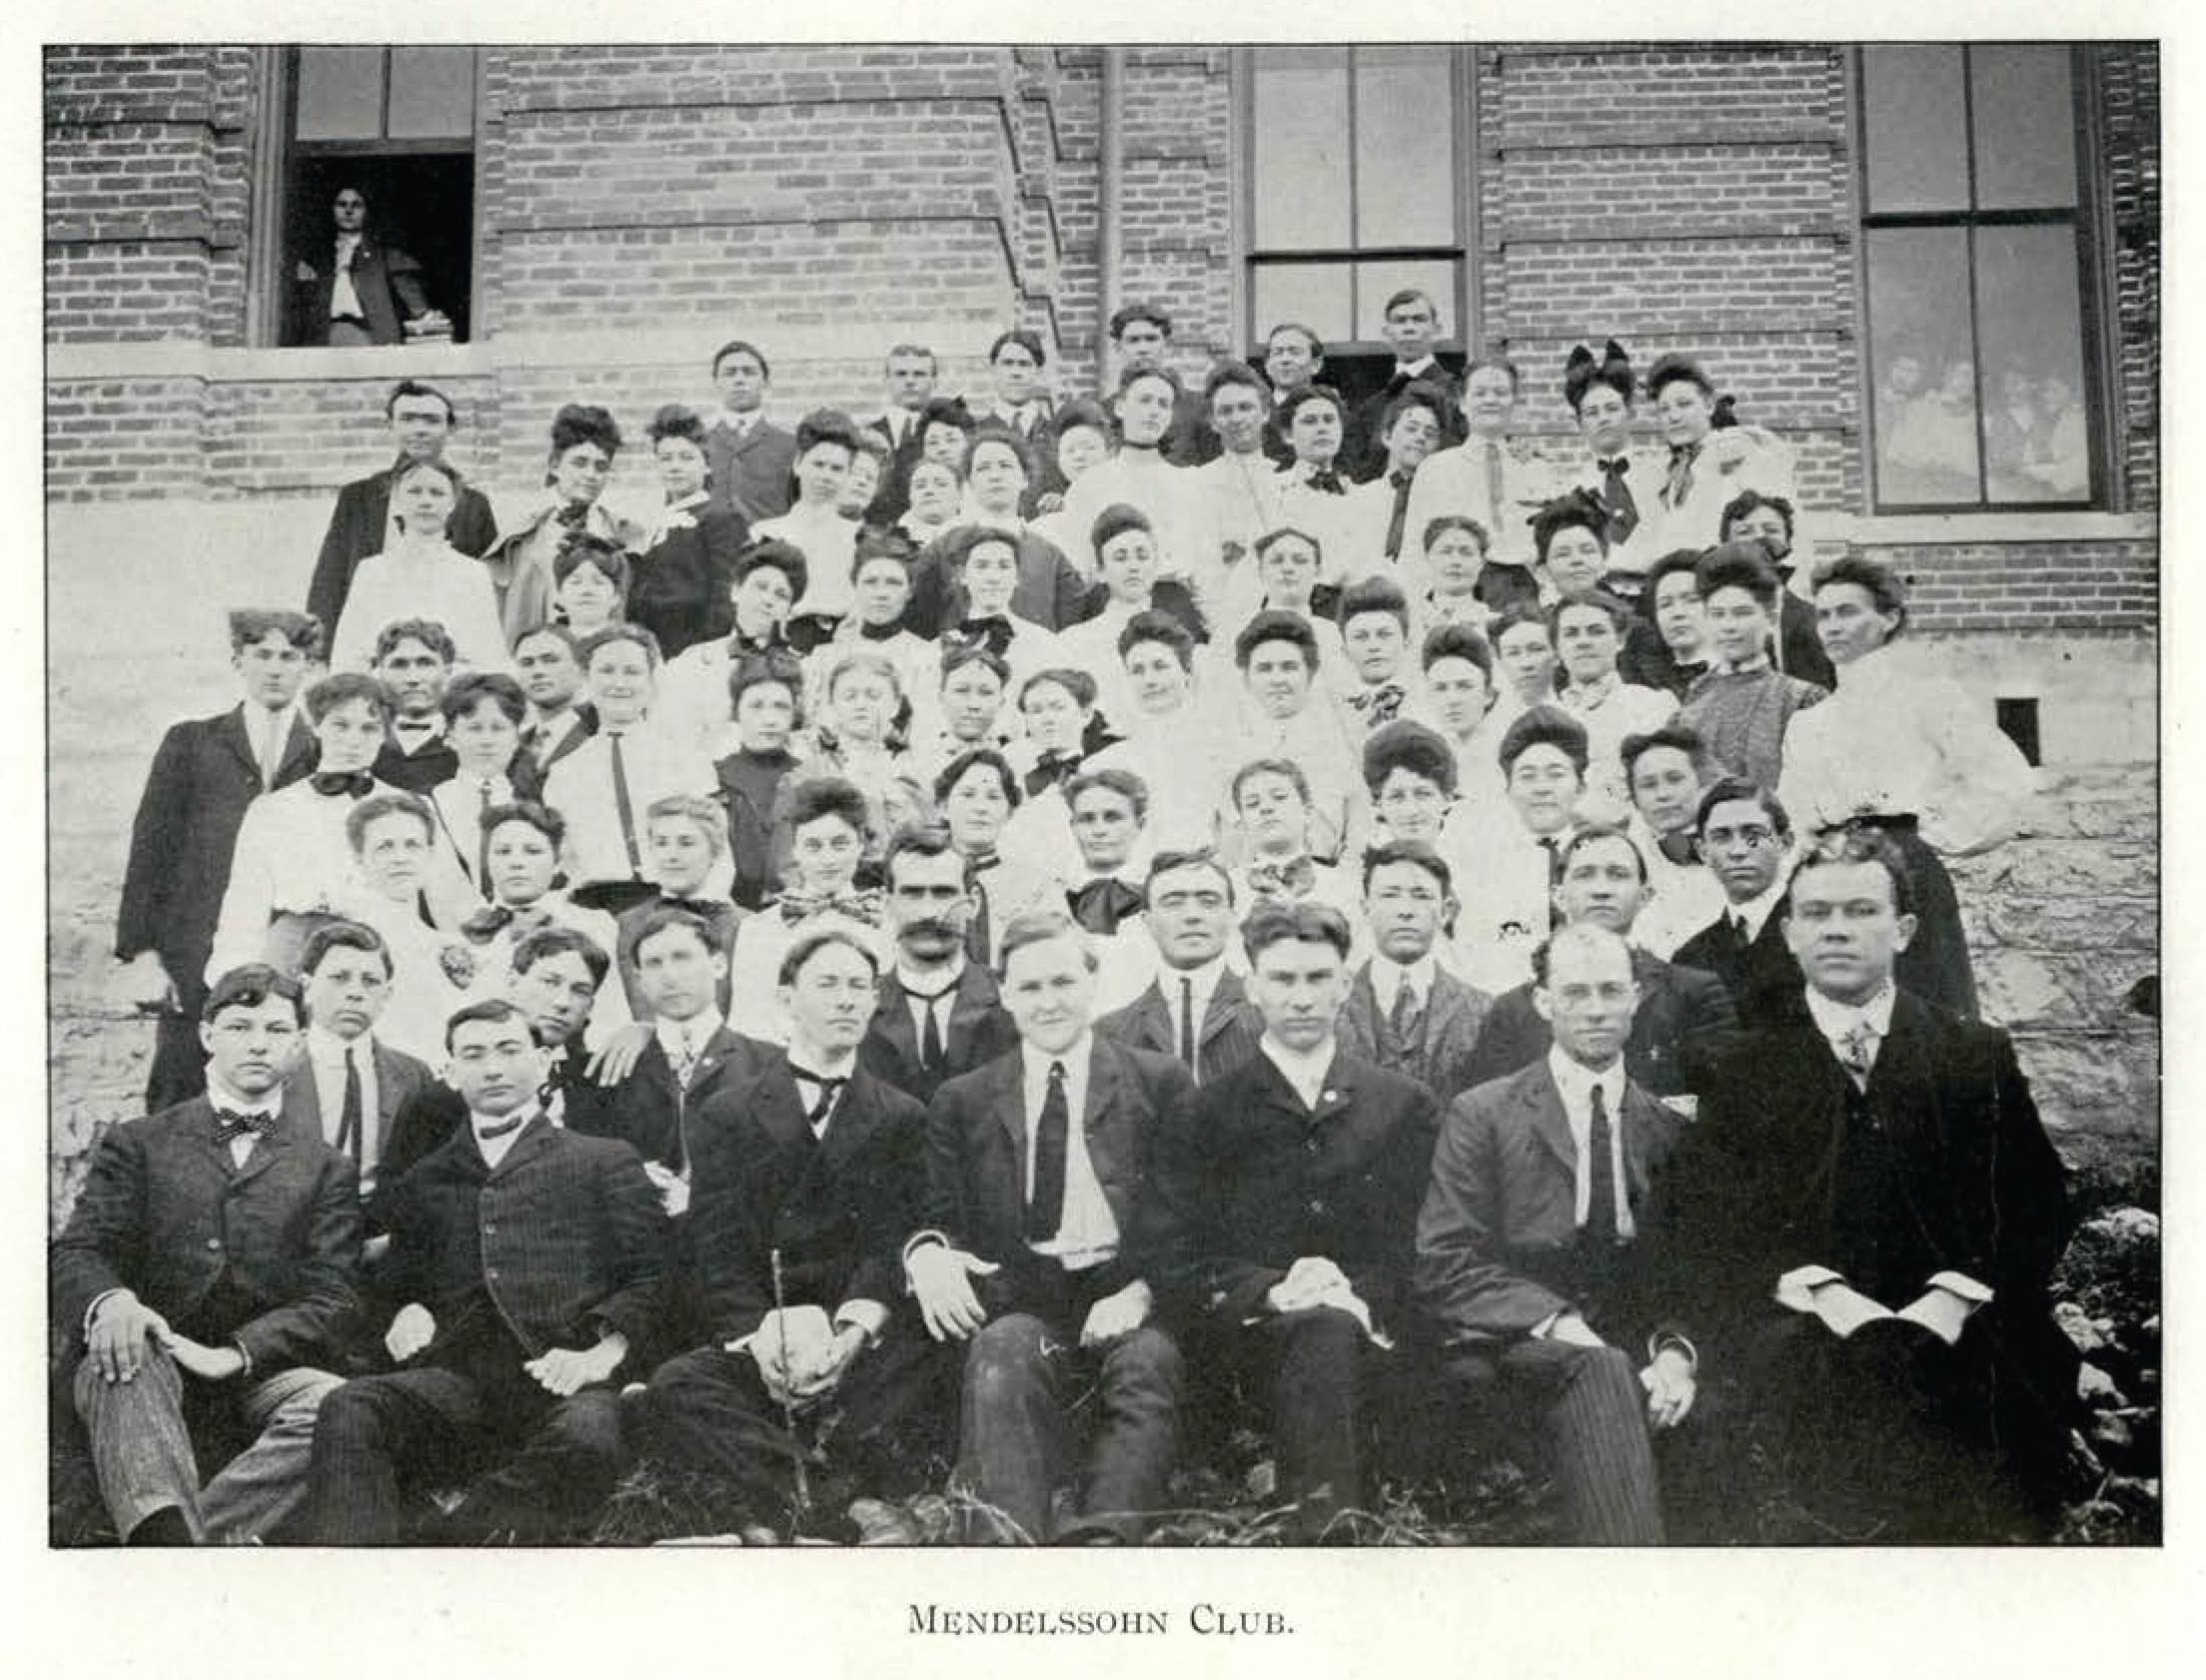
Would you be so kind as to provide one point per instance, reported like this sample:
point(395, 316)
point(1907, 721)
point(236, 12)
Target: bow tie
point(991, 633)
point(1615, 469)
point(811, 630)
point(572, 515)
point(1328, 481)
point(1378, 706)
point(1054, 769)
point(486, 923)
point(331, 783)
point(1283, 880)
point(861, 906)
point(230, 1125)
point(1677, 847)
point(1104, 903)
point(740, 644)
point(515, 1122)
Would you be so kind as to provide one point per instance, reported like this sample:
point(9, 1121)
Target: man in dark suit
point(1042, 1228)
point(1412, 329)
point(1293, 1186)
point(347, 1088)
point(1683, 1025)
point(909, 373)
point(752, 460)
point(1866, 1219)
point(805, 1179)
point(1196, 1008)
point(1525, 1249)
point(528, 1259)
point(939, 1014)
point(1141, 333)
point(1744, 837)
point(209, 1268)
point(362, 291)
point(1404, 1010)
point(422, 421)
point(413, 660)
point(551, 671)
point(205, 773)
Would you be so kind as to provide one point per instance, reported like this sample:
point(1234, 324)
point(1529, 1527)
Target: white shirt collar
point(1387, 977)
point(1423, 365)
point(1834, 1019)
point(327, 1049)
point(1756, 911)
point(937, 981)
point(678, 1038)
point(1576, 1082)
point(1035, 1062)
point(1205, 976)
point(1305, 1070)
point(493, 1150)
point(222, 1096)
point(825, 1066)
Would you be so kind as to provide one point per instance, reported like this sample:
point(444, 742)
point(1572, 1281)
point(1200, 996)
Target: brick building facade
point(628, 208)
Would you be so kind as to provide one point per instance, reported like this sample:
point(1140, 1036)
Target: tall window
point(1978, 284)
point(396, 126)
point(1355, 190)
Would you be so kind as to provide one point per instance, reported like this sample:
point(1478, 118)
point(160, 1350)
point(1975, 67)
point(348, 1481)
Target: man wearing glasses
point(1744, 838)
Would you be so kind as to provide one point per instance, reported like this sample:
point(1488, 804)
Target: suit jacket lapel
point(976, 996)
point(1152, 1020)
point(389, 1095)
point(1108, 1148)
point(300, 750)
point(851, 1124)
point(1648, 1128)
point(1550, 1124)
point(1449, 1000)
point(239, 740)
point(1226, 999)
point(1361, 1011)
point(303, 1099)
point(1008, 1101)
point(265, 1150)
point(892, 1018)
point(535, 1135)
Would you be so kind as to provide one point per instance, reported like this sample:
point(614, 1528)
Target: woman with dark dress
point(680, 591)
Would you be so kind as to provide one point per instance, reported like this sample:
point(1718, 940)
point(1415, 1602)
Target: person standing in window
point(362, 291)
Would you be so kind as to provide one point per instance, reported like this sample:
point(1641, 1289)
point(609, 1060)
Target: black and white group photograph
point(1345, 795)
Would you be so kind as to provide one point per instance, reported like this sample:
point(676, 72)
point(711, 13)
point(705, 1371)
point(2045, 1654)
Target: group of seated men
point(1017, 1002)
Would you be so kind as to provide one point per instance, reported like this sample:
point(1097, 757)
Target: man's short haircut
point(1415, 394)
point(1672, 368)
point(485, 1009)
point(1275, 624)
point(1456, 641)
point(616, 632)
point(1681, 737)
point(997, 433)
point(1230, 373)
point(345, 936)
point(1411, 295)
point(252, 626)
point(585, 547)
point(1194, 856)
point(1376, 593)
point(1593, 833)
point(828, 796)
point(372, 809)
point(427, 632)
point(668, 916)
point(545, 819)
point(1315, 344)
point(1548, 727)
point(1726, 789)
point(1579, 511)
point(1075, 682)
point(1110, 779)
point(675, 419)
point(1276, 922)
point(786, 558)
point(1128, 377)
point(1284, 767)
point(825, 425)
point(956, 658)
point(756, 670)
point(1407, 745)
point(1038, 927)
point(1858, 842)
point(249, 985)
point(1025, 337)
point(908, 348)
point(1150, 624)
point(1496, 359)
point(1750, 501)
point(1599, 600)
point(1879, 581)
point(930, 839)
point(1087, 412)
point(1576, 933)
point(706, 814)
point(1115, 521)
point(414, 387)
point(741, 347)
point(531, 948)
point(1295, 401)
point(810, 945)
point(1738, 566)
point(558, 632)
point(583, 423)
point(471, 689)
point(966, 762)
point(343, 687)
point(1414, 852)
point(1128, 313)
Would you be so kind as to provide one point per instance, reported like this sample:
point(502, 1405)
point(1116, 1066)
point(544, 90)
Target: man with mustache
point(938, 1014)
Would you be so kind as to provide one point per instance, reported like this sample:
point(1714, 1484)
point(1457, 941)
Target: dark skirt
point(1935, 963)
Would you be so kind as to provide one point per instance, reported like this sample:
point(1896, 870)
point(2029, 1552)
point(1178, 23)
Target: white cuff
point(870, 1315)
point(1960, 1283)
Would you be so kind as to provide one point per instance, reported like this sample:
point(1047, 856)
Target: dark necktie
point(230, 1125)
point(348, 1140)
point(930, 1031)
point(1616, 495)
point(1600, 1205)
point(979, 934)
point(626, 807)
point(331, 783)
point(1045, 1208)
point(1394, 521)
point(823, 1105)
point(1405, 1025)
point(1187, 1021)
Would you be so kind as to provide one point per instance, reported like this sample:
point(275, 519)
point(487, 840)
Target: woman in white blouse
point(1901, 746)
point(420, 575)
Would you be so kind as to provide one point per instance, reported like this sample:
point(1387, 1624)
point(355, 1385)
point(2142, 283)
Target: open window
point(398, 124)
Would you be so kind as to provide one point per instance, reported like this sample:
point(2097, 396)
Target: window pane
point(431, 93)
point(1314, 293)
point(1914, 133)
point(1922, 365)
point(1405, 147)
point(1301, 149)
point(2030, 325)
point(340, 93)
point(1377, 282)
point(2025, 114)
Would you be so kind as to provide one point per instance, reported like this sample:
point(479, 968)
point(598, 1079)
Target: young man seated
point(1194, 1008)
point(551, 673)
point(349, 1087)
point(1404, 1009)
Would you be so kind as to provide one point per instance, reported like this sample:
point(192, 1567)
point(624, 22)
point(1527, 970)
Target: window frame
point(2085, 220)
point(1249, 257)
